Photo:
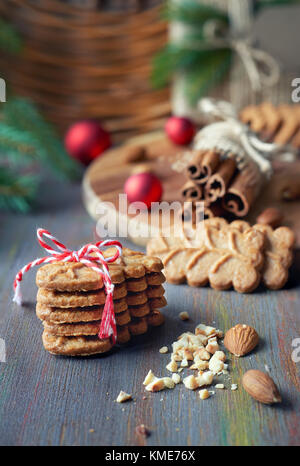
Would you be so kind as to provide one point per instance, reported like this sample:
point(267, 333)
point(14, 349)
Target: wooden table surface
point(48, 400)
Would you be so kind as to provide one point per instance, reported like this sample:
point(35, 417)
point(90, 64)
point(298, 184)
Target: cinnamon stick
point(213, 210)
point(243, 191)
point(194, 167)
point(191, 191)
point(202, 166)
point(218, 182)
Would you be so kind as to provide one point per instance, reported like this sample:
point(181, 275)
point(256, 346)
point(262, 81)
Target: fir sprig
point(17, 192)
point(24, 117)
point(201, 78)
point(261, 4)
point(193, 13)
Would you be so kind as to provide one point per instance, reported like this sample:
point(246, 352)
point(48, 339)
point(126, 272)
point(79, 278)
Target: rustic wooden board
point(48, 400)
point(104, 181)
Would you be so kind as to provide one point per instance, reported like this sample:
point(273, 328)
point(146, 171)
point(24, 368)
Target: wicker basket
point(92, 61)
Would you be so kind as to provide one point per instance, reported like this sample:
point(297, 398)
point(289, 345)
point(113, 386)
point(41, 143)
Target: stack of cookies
point(71, 298)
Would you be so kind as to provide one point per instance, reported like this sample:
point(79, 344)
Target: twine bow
point(251, 57)
point(231, 136)
point(97, 262)
point(237, 38)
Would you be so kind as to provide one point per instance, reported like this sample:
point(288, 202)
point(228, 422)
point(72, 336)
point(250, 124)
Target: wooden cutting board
point(105, 177)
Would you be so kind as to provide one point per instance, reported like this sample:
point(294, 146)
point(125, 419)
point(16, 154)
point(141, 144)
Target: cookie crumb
point(191, 382)
point(204, 394)
point(176, 378)
point(169, 383)
point(142, 430)
point(184, 315)
point(149, 378)
point(220, 385)
point(172, 366)
point(184, 363)
point(267, 368)
point(123, 396)
point(234, 386)
point(164, 350)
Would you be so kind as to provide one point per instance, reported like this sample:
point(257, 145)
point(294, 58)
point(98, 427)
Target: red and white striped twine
point(63, 254)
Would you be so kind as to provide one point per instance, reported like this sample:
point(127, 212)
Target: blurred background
point(127, 65)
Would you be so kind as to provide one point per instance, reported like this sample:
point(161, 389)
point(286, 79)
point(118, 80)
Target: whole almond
point(133, 154)
point(290, 188)
point(241, 339)
point(270, 216)
point(261, 387)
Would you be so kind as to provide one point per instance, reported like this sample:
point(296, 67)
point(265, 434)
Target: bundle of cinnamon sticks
point(217, 181)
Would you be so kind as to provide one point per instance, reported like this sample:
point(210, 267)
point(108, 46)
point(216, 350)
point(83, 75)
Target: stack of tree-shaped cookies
point(71, 298)
point(279, 124)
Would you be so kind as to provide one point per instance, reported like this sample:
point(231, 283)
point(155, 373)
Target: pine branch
point(171, 59)
point(24, 117)
point(207, 73)
point(261, 4)
point(193, 13)
point(16, 192)
point(17, 147)
point(10, 40)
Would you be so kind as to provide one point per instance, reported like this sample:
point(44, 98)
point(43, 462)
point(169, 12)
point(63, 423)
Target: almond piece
point(172, 366)
point(149, 378)
point(163, 350)
point(191, 382)
point(123, 396)
point(241, 339)
point(204, 394)
point(261, 387)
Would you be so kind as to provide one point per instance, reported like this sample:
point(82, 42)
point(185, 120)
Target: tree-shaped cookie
point(218, 254)
point(278, 255)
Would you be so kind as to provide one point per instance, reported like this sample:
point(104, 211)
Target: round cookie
point(75, 346)
point(134, 299)
point(78, 298)
point(123, 334)
point(155, 278)
point(139, 311)
point(136, 284)
point(138, 326)
point(57, 315)
point(157, 303)
point(155, 291)
point(83, 328)
point(155, 318)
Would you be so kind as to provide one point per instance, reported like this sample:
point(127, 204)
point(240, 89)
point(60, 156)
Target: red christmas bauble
point(180, 130)
point(86, 140)
point(143, 187)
